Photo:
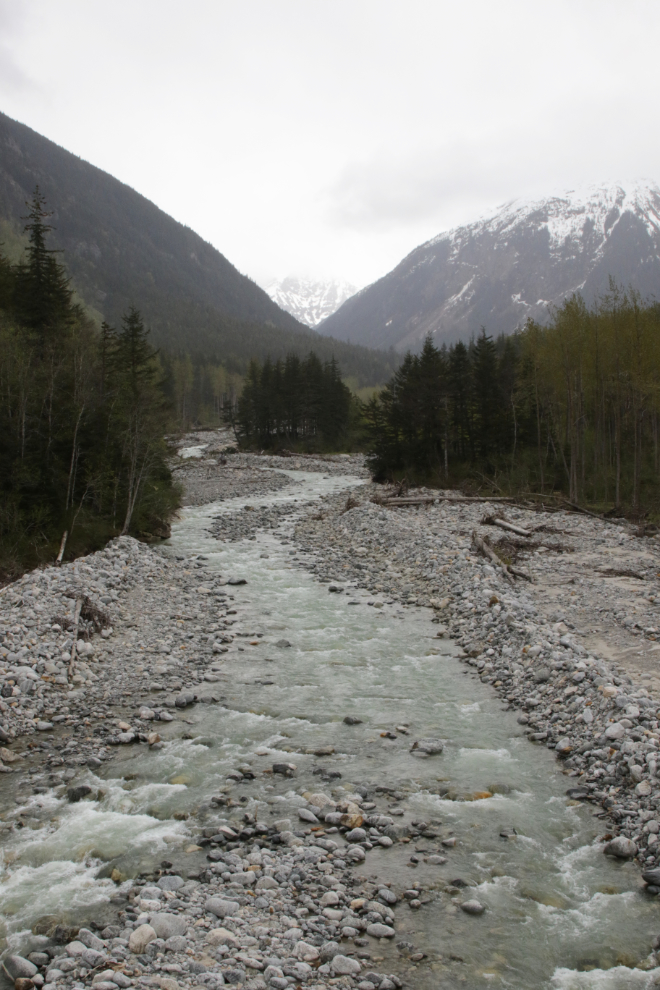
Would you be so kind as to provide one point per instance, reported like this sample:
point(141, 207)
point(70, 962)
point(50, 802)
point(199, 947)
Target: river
point(558, 914)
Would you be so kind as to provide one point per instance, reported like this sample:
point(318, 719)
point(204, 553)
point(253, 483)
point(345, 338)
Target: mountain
point(511, 265)
point(309, 301)
point(121, 249)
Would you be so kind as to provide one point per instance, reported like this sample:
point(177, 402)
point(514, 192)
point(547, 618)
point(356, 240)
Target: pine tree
point(42, 297)
point(134, 356)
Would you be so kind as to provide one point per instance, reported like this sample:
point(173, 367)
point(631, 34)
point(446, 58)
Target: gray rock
point(429, 747)
point(140, 939)
point(328, 951)
point(121, 980)
point(171, 883)
point(615, 731)
point(378, 930)
point(39, 959)
point(472, 907)
point(307, 816)
point(165, 924)
point(75, 794)
point(356, 835)
point(621, 847)
point(285, 769)
point(18, 968)
point(345, 966)
point(387, 895)
point(91, 940)
point(220, 907)
point(176, 943)
point(92, 958)
point(283, 643)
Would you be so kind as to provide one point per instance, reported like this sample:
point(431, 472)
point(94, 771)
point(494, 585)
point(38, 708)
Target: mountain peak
point(309, 300)
point(512, 264)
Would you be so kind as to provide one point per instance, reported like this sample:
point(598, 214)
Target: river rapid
point(558, 913)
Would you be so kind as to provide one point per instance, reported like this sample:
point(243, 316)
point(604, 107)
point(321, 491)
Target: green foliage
point(82, 418)
point(294, 403)
point(200, 392)
point(42, 299)
point(573, 406)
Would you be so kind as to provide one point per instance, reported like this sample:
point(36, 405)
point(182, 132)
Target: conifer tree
point(42, 297)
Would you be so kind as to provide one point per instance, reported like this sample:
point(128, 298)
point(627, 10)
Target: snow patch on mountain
point(515, 263)
point(308, 300)
point(593, 209)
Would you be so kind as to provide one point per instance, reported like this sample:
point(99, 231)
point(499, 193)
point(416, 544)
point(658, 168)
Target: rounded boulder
point(140, 938)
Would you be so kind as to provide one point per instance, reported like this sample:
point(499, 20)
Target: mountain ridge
point(120, 249)
point(511, 264)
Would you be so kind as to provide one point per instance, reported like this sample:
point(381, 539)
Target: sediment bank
point(270, 901)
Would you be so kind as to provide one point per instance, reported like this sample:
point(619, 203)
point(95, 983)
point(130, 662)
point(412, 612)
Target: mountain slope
point(120, 249)
point(309, 301)
point(504, 268)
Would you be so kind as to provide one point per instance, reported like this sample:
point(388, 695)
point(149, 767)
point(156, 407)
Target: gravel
point(558, 650)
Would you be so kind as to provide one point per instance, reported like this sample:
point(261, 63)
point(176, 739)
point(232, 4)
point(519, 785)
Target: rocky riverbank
point(106, 654)
point(573, 646)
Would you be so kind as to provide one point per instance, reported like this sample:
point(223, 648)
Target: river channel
point(559, 914)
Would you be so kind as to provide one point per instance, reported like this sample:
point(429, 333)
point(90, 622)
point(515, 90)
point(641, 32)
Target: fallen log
point(503, 524)
point(74, 646)
point(488, 551)
point(430, 499)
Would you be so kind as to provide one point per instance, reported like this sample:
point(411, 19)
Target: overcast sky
point(330, 137)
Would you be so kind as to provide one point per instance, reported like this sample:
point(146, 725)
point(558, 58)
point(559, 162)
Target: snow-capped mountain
point(513, 264)
point(310, 302)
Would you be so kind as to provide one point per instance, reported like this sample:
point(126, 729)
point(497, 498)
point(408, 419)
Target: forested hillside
point(83, 415)
point(121, 250)
point(573, 407)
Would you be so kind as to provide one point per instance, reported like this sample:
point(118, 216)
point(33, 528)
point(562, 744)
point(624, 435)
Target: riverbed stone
point(345, 966)
point(221, 907)
point(615, 731)
point(166, 924)
point(621, 847)
point(472, 907)
point(140, 938)
point(170, 883)
point(16, 967)
point(378, 930)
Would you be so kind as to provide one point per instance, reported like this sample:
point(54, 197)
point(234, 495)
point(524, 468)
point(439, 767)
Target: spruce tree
point(42, 297)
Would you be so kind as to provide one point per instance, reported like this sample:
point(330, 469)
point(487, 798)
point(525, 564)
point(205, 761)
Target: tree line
point(301, 403)
point(83, 415)
point(571, 407)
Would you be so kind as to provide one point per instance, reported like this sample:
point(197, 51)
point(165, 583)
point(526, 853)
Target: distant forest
point(571, 407)
point(295, 404)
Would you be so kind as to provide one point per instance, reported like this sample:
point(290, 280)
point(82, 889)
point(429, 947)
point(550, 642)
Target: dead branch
point(62, 546)
point(503, 524)
point(488, 552)
point(76, 620)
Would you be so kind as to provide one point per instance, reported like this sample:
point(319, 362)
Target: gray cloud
point(332, 138)
point(453, 182)
point(13, 17)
